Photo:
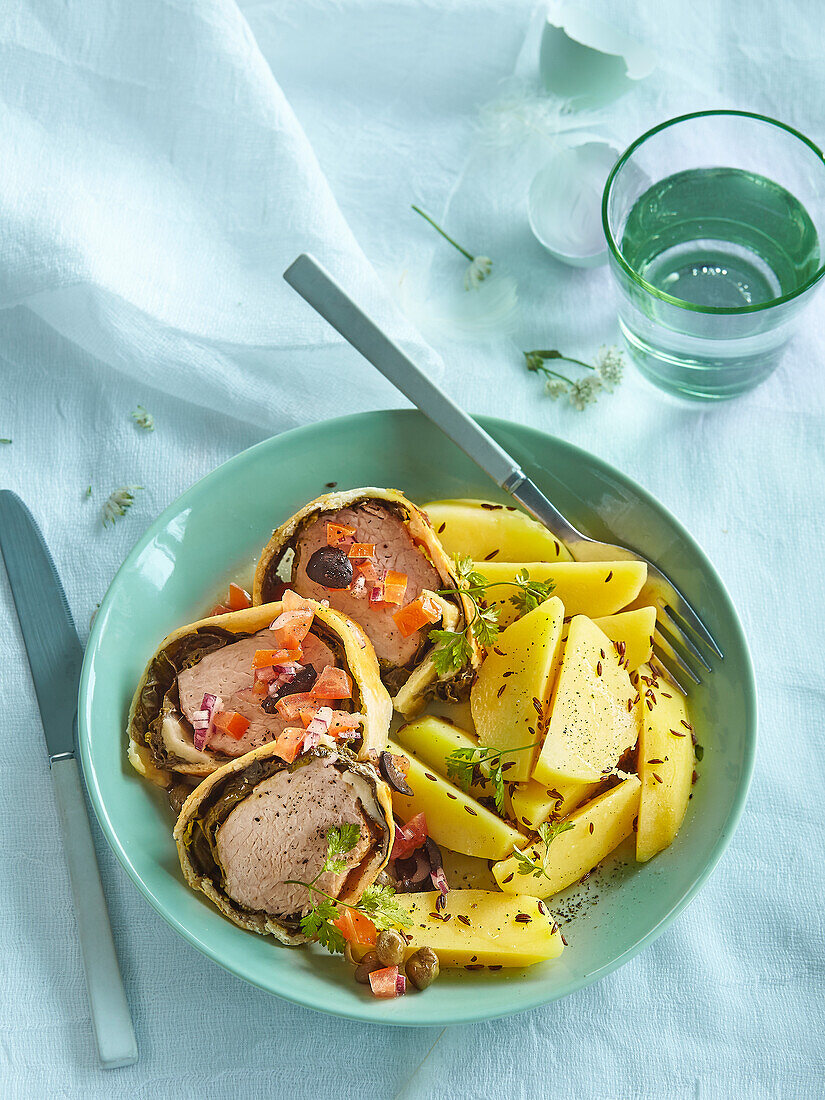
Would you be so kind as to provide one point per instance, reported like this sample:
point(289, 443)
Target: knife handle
point(111, 1020)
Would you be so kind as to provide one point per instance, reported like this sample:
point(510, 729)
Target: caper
point(389, 947)
point(422, 967)
point(330, 567)
point(368, 963)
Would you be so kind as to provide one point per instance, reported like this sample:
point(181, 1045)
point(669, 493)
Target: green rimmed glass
point(715, 225)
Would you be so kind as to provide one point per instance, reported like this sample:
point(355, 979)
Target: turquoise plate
point(215, 530)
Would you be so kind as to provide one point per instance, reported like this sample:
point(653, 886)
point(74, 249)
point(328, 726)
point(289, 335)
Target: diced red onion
point(210, 706)
point(359, 587)
point(400, 985)
point(200, 716)
point(311, 739)
point(377, 593)
point(321, 722)
point(440, 880)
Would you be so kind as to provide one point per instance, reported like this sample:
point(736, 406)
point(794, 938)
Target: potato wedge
point(575, 852)
point(592, 719)
point(585, 588)
point(454, 819)
point(665, 766)
point(514, 683)
point(467, 872)
point(479, 928)
point(533, 803)
point(635, 630)
point(484, 528)
point(432, 739)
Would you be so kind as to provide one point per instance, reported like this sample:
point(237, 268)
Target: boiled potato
point(458, 713)
point(533, 803)
point(513, 685)
point(479, 927)
point(598, 827)
point(635, 630)
point(454, 819)
point(467, 872)
point(482, 529)
point(584, 587)
point(432, 739)
point(665, 765)
point(592, 717)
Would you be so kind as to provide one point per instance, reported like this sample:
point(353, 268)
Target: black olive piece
point(433, 854)
point(304, 679)
point(330, 567)
point(393, 775)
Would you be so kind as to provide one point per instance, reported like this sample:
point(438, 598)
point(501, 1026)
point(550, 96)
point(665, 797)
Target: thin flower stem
point(555, 373)
point(446, 236)
point(563, 358)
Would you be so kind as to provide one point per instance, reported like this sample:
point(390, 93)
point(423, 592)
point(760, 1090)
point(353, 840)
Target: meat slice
point(394, 549)
point(278, 832)
point(227, 671)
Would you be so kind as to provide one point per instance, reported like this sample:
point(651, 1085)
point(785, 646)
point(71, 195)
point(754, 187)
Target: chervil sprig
point(531, 865)
point(453, 649)
point(143, 419)
point(379, 903)
point(462, 764)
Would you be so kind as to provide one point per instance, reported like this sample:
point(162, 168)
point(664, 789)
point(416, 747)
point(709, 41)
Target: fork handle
point(316, 286)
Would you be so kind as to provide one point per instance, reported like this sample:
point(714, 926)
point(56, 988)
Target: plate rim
point(367, 1013)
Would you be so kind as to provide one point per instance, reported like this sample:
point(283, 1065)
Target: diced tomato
point(395, 585)
point(409, 837)
point(290, 706)
point(289, 743)
point(291, 627)
point(220, 609)
point(231, 723)
point(338, 533)
point(342, 721)
point(402, 763)
point(238, 597)
point(333, 683)
point(384, 982)
point(293, 602)
point(419, 613)
point(362, 550)
point(265, 657)
point(259, 688)
point(356, 927)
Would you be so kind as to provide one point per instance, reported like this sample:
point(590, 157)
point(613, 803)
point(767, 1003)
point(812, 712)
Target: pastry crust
point(413, 684)
point(148, 753)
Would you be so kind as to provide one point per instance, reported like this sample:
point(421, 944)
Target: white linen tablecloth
point(161, 162)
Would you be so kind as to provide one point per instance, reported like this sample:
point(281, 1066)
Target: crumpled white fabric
point(161, 162)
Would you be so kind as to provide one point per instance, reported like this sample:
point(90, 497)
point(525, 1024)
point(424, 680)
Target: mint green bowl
point(217, 528)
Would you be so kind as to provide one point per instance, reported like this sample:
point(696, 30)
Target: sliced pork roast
point(259, 821)
point(293, 673)
point(375, 556)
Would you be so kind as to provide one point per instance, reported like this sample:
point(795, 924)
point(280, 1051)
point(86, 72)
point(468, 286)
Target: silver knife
point(55, 657)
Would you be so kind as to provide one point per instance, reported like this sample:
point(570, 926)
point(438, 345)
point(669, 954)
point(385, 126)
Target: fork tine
point(665, 651)
point(661, 669)
point(683, 645)
point(686, 616)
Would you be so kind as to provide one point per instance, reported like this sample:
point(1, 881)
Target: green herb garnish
point(453, 649)
point(5, 441)
point(379, 903)
point(462, 764)
point(531, 865)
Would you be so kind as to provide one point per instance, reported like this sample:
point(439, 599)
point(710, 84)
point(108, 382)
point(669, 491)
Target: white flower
point(584, 391)
point(143, 419)
point(610, 366)
point(477, 272)
point(556, 388)
point(118, 503)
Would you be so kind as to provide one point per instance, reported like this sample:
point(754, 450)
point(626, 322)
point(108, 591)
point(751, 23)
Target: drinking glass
point(715, 225)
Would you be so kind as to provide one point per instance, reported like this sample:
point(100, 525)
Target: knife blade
point(53, 647)
point(55, 658)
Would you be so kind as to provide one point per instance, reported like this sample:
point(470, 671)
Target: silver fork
point(683, 645)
